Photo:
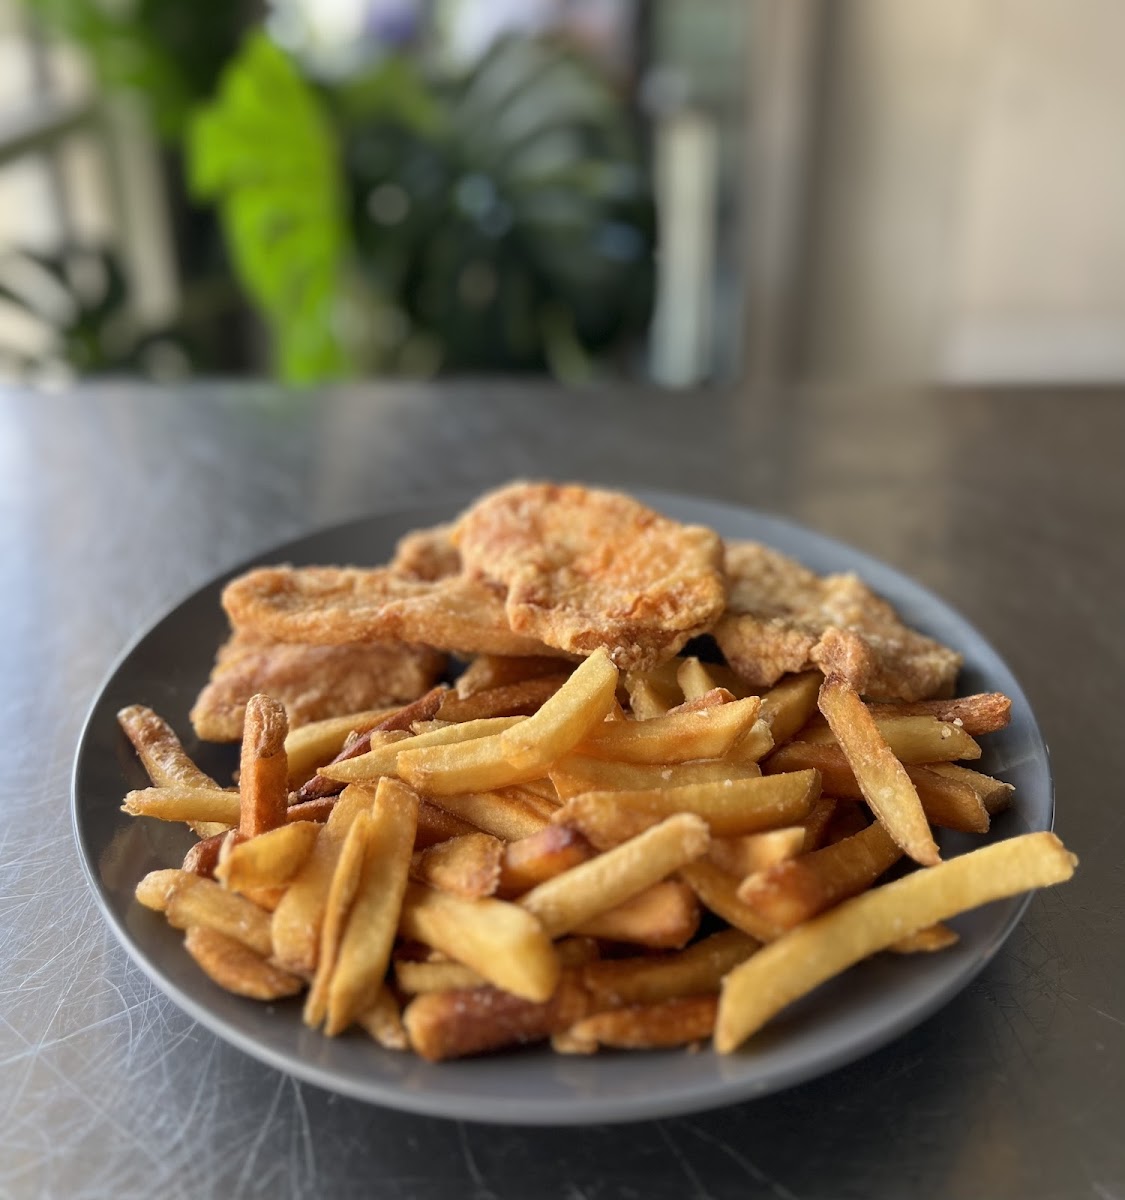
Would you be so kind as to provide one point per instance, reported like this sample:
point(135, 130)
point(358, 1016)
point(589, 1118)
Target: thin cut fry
point(203, 857)
point(498, 813)
point(270, 860)
point(473, 766)
point(578, 773)
point(436, 825)
point(413, 978)
point(676, 737)
point(156, 888)
point(488, 671)
point(913, 739)
point(742, 856)
point(383, 1022)
point(652, 693)
point(926, 941)
point(502, 942)
point(698, 678)
point(881, 777)
point(718, 891)
point(263, 773)
point(663, 917)
point(985, 712)
point(788, 705)
point(310, 746)
point(994, 794)
point(812, 953)
point(507, 700)
point(647, 1027)
point(237, 969)
point(573, 898)
point(467, 866)
point(540, 856)
point(365, 944)
point(204, 902)
point(175, 802)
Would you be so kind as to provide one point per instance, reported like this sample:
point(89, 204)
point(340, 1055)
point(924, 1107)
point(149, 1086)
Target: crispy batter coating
point(427, 554)
point(783, 617)
point(586, 568)
point(313, 682)
point(335, 605)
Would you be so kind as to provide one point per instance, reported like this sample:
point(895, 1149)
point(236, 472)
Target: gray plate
point(873, 1003)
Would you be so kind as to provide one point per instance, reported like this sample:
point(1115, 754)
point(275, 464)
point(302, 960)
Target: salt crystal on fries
point(815, 952)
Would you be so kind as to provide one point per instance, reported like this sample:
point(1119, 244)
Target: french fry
point(676, 737)
point(652, 693)
point(383, 759)
point(263, 773)
point(709, 699)
point(718, 892)
point(488, 671)
point(317, 810)
point(498, 813)
point(445, 1025)
point(501, 942)
point(382, 1022)
point(985, 712)
point(346, 877)
point(203, 857)
point(663, 917)
point(297, 920)
point(648, 1027)
point(436, 825)
point(742, 856)
point(573, 898)
point(578, 773)
point(913, 739)
point(310, 746)
point(949, 801)
point(156, 888)
point(176, 802)
point(413, 978)
point(565, 719)
point(603, 822)
point(467, 866)
point(234, 967)
point(823, 947)
point(365, 944)
point(881, 777)
point(817, 822)
point(544, 807)
point(540, 856)
point(926, 941)
point(543, 788)
point(204, 902)
point(697, 678)
point(730, 807)
point(794, 891)
point(505, 700)
point(164, 758)
point(698, 970)
point(754, 745)
point(789, 704)
point(269, 860)
point(994, 794)
point(474, 766)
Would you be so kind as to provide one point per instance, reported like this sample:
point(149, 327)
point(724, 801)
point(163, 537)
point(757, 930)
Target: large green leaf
point(264, 149)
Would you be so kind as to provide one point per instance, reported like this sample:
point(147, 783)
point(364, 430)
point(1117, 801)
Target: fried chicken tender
point(313, 682)
point(327, 606)
point(427, 554)
point(586, 568)
point(783, 617)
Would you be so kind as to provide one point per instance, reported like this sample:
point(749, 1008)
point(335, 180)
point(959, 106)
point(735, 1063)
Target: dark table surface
point(116, 501)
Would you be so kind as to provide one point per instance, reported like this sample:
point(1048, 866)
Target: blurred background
point(599, 190)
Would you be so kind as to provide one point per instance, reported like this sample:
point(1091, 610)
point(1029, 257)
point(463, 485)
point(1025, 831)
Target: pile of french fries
point(645, 859)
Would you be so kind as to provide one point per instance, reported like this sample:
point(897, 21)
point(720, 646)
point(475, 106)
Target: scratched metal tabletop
point(115, 502)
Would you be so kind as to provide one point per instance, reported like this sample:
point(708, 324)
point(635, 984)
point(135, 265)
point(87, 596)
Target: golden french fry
point(540, 856)
point(913, 739)
point(881, 777)
point(467, 866)
point(652, 693)
point(985, 712)
point(789, 704)
point(203, 857)
point(794, 891)
point(341, 893)
point(926, 941)
point(544, 807)
point(383, 759)
point(263, 773)
point(949, 801)
point(369, 932)
point(573, 898)
point(413, 978)
point(298, 918)
point(754, 745)
point(204, 902)
point(823, 947)
point(436, 825)
point(444, 1025)
point(674, 1022)
point(994, 794)
point(498, 813)
point(695, 971)
point(156, 888)
point(663, 917)
point(730, 807)
point(314, 745)
point(676, 737)
point(269, 860)
point(164, 758)
point(710, 699)
point(489, 671)
point(176, 802)
point(479, 765)
point(505, 700)
point(233, 966)
point(697, 678)
point(718, 892)
point(501, 942)
point(383, 1022)
point(817, 823)
point(604, 824)
point(578, 773)
point(742, 856)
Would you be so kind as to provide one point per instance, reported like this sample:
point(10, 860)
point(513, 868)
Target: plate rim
point(524, 1110)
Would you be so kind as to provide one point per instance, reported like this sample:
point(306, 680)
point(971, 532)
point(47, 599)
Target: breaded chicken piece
point(783, 617)
point(313, 682)
point(427, 554)
point(585, 568)
point(327, 606)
